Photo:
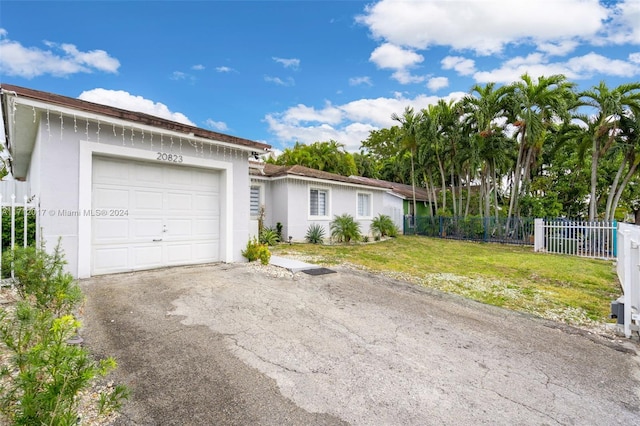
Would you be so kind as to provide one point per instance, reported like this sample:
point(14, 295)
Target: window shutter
point(254, 201)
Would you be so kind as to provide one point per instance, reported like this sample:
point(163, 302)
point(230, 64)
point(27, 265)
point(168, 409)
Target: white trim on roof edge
point(72, 112)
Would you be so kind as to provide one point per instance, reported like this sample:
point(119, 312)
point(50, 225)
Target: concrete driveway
point(240, 345)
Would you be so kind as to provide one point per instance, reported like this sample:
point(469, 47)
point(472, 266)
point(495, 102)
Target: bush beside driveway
point(240, 344)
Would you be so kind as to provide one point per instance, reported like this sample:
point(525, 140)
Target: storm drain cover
point(318, 271)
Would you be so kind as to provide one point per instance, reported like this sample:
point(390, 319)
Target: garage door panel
point(147, 173)
point(147, 256)
point(206, 203)
point(110, 259)
point(205, 251)
point(207, 228)
point(204, 179)
point(111, 198)
point(147, 228)
point(179, 201)
point(183, 201)
point(179, 253)
point(110, 230)
point(111, 171)
point(180, 228)
point(146, 200)
point(179, 177)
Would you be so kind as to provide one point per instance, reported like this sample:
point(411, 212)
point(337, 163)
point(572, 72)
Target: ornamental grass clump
point(345, 229)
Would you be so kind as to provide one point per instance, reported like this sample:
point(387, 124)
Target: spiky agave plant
point(315, 234)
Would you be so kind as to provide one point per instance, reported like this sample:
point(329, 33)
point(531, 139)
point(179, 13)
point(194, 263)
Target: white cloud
point(224, 69)
point(356, 81)
point(405, 77)
point(198, 67)
point(292, 63)
point(125, 100)
point(390, 56)
point(462, 66)
point(576, 68)
point(179, 75)
point(484, 27)
point(304, 114)
point(625, 23)
point(60, 61)
point(436, 83)
point(559, 48)
point(348, 124)
point(280, 82)
point(217, 125)
point(634, 57)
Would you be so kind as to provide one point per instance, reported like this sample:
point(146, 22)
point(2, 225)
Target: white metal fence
point(576, 238)
point(14, 214)
point(628, 268)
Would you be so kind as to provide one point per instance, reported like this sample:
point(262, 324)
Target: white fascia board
point(131, 125)
point(329, 182)
point(395, 194)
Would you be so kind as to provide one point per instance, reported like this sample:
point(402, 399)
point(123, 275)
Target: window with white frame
point(318, 202)
point(364, 204)
point(255, 198)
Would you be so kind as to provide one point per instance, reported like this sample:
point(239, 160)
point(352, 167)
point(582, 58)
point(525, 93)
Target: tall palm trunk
point(413, 189)
point(593, 200)
point(515, 188)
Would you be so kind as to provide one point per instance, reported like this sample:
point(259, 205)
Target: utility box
point(617, 310)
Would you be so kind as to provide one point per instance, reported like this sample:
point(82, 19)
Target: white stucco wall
point(291, 203)
point(61, 177)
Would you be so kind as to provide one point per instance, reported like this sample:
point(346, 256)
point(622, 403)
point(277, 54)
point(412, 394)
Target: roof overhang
point(22, 115)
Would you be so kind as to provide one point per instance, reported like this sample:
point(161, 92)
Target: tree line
point(533, 148)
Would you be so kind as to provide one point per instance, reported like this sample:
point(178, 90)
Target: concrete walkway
point(290, 264)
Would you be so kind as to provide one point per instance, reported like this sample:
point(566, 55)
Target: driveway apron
point(239, 344)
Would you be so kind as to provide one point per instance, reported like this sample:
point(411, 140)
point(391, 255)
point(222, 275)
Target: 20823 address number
point(172, 158)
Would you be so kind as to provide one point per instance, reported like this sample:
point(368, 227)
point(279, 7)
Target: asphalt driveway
point(238, 345)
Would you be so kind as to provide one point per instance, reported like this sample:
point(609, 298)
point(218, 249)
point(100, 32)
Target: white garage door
point(148, 215)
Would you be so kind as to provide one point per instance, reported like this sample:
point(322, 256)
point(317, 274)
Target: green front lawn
point(570, 289)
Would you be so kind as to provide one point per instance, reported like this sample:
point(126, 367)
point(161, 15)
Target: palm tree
point(533, 107)
point(629, 142)
point(485, 109)
point(610, 105)
point(409, 140)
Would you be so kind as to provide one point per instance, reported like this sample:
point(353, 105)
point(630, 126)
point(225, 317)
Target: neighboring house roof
point(20, 104)
point(274, 171)
point(404, 191)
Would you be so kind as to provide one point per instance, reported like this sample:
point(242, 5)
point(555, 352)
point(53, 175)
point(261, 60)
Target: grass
point(570, 289)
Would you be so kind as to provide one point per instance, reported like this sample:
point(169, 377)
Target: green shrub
point(269, 236)
point(40, 275)
point(43, 374)
point(19, 227)
point(345, 229)
point(383, 226)
point(315, 234)
point(256, 250)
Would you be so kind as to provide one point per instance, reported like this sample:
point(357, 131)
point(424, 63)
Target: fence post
point(626, 287)
point(1, 229)
point(440, 233)
point(614, 231)
point(538, 234)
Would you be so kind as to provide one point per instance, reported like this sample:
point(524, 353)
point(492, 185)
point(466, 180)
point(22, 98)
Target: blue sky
point(286, 71)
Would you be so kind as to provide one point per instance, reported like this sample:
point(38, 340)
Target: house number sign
point(171, 158)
